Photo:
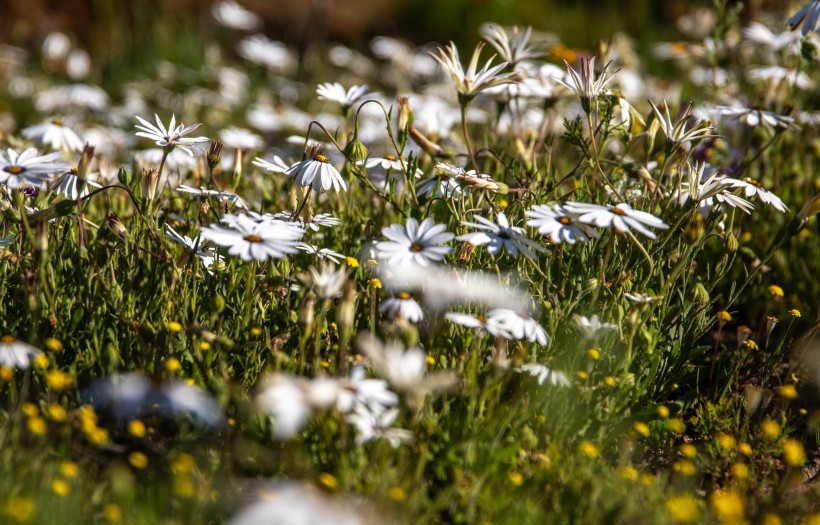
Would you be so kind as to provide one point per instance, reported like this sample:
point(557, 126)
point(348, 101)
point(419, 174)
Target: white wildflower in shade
point(335, 92)
point(232, 15)
point(640, 299)
point(518, 325)
point(275, 165)
point(402, 306)
point(265, 52)
point(414, 243)
point(251, 240)
point(808, 18)
point(207, 255)
point(513, 45)
point(16, 354)
point(321, 253)
point(372, 393)
point(592, 326)
point(72, 96)
point(544, 374)
point(621, 217)
point(777, 75)
point(285, 400)
point(500, 236)
point(760, 34)
point(327, 281)
point(28, 167)
point(753, 117)
point(585, 84)
point(676, 133)
point(134, 396)
point(171, 137)
point(405, 369)
point(293, 503)
point(560, 225)
point(317, 172)
point(222, 195)
point(55, 134)
point(709, 188)
point(377, 424)
point(480, 323)
point(240, 138)
point(440, 187)
point(473, 81)
point(68, 184)
point(325, 220)
point(752, 188)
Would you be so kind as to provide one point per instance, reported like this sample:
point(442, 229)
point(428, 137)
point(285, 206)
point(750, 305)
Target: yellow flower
point(787, 392)
point(610, 381)
point(58, 380)
point(594, 354)
point(112, 512)
point(740, 470)
point(60, 487)
point(204, 345)
point(256, 331)
point(663, 411)
point(793, 453)
point(683, 509)
point(726, 442)
point(183, 464)
point(97, 436)
point(629, 473)
point(728, 506)
point(69, 469)
point(183, 486)
point(516, 478)
point(136, 428)
point(53, 344)
point(352, 262)
point(745, 449)
point(771, 430)
point(172, 364)
point(684, 468)
point(138, 460)
point(588, 449)
point(37, 426)
point(771, 519)
point(647, 479)
point(775, 290)
point(6, 373)
point(688, 450)
point(56, 412)
point(641, 428)
point(19, 509)
point(30, 409)
point(795, 312)
point(396, 494)
point(751, 344)
point(174, 326)
point(329, 480)
point(41, 361)
point(375, 283)
point(581, 374)
point(724, 316)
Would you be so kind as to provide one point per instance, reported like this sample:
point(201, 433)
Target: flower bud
point(355, 150)
point(700, 296)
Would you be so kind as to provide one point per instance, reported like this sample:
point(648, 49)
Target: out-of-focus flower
point(54, 133)
point(808, 16)
point(335, 92)
point(232, 15)
point(16, 354)
point(592, 326)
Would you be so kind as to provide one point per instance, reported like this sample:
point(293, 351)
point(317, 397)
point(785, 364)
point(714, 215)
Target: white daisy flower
point(405, 369)
point(640, 299)
point(753, 188)
point(592, 326)
point(621, 217)
point(327, 281)
point(388, 162)
point(706, 186)
point(68, 184)
point(414, 243)
point(440, 187)
point(543, 374)
point(676, 132)
point(207, 255)
point(402, 306)
point(16, 354)
point(322, 219)
point(55, 134)
point(480, 323)
point(234, 16)
point(560, 225)
point(473, 81)
point(241, 138)
point(377, 424)
point(778, 75)
point(172, 136)
point(285, 400)
point(317, 172)
point(261, 50)
point(28, 167)
point(275, 165)
point(222, 195)
point(321, 254)
point(513, 45)
point(519, 326)
point(754, 117)
point(500, 235)
point(584, 83)
point(808, 16)
point(255, 240)
point(760, 34)
point(335, 92)
point(70, 96)
point(362, 390)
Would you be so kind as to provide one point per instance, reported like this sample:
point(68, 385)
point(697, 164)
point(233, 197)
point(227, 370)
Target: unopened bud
point(700, 296)
point(406, 116)
point(214, 154)
point(150, 181)
point(347, 306)
point(732, 243)
point(306, 313)
point(116, 225)
point(355, 150)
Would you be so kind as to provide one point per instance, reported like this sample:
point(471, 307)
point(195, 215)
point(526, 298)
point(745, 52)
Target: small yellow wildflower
point(740, 471)
point(771, 519)
point(683, 509)
point(745, 449)
point(19, 509)
point(6, 373)
point(69, 469)
point(775, 290)
point(183, 486)
point(688, 450)
point(138, 460)
point(793, 453)
point(787, 392)
point(137, 428)
point(610, 381)
point(676, 425)
point(795, 312)
point(30, 409)
point(37, 426)
point(53, 344)
point(771, 430)
point(724, 316)
point(581, 374)
point(256, 331)
point(647, 479)
point(58, 380)
point(112, 512)
point(588, 449)
point(41, 361)
point(372, 261)
point(516, 478)
point(183, 464)
point(726, 442)
point(430, 360)
point(663, 411)
point(375, 282)
point(56, 412)
point(204, 345)
point(172, 364)
point(684, 468)
point(641, 428)
point(173, 326)
point(97, 436)
point(351, 262)
point(728, 506)
point(751, 344)
point(396, 494)
point(503, 203)
point(629, 473)
point(594, 354)
point(329, 480)
point(60, 487)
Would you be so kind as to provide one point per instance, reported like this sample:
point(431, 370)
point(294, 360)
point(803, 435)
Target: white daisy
point(777, 75)
point(592, 326)
point(234, 16)
point(519, 326)
point(584, 83)
point(261, 50)
point(172, 136)
point(414, 243)
point(206, 254)
point(68, 184)
point(676, 132)
point(222, 195)
point(480, 323)
point(754, 117)
point(317, 172)
point(321, 253)
point(473, 81)
point(335, 92)
point(275, 165)
point(440, 187)
point(753, 188)
point(500, 235)
point(241, 138)
point(377, 424)
point(327, 281)
point(55, 134)
point(543, 374)
point(322, 219)
point(705, 186)
point(402, 306)
point(255, 240)
point(621, 217)
point(28, 167)
point(513, 45)
point(403, 368)
point(16, 354)
point(285, 400)
point(70, 96)
point(559, 224)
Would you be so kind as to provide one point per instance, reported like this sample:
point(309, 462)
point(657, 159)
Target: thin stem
point(595, 157)
point(467, 137)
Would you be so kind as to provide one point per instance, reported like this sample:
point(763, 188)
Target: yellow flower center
point(7, 340)
point(754, 183)
point(618, 211)
point(320, 158)
point(390, 157)
point(566, 221)
point(57, 122)
point(253, 238)
point(14, 170)
point(404, 296)
point(416, 247)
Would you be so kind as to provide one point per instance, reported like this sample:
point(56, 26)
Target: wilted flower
point(473, 82)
